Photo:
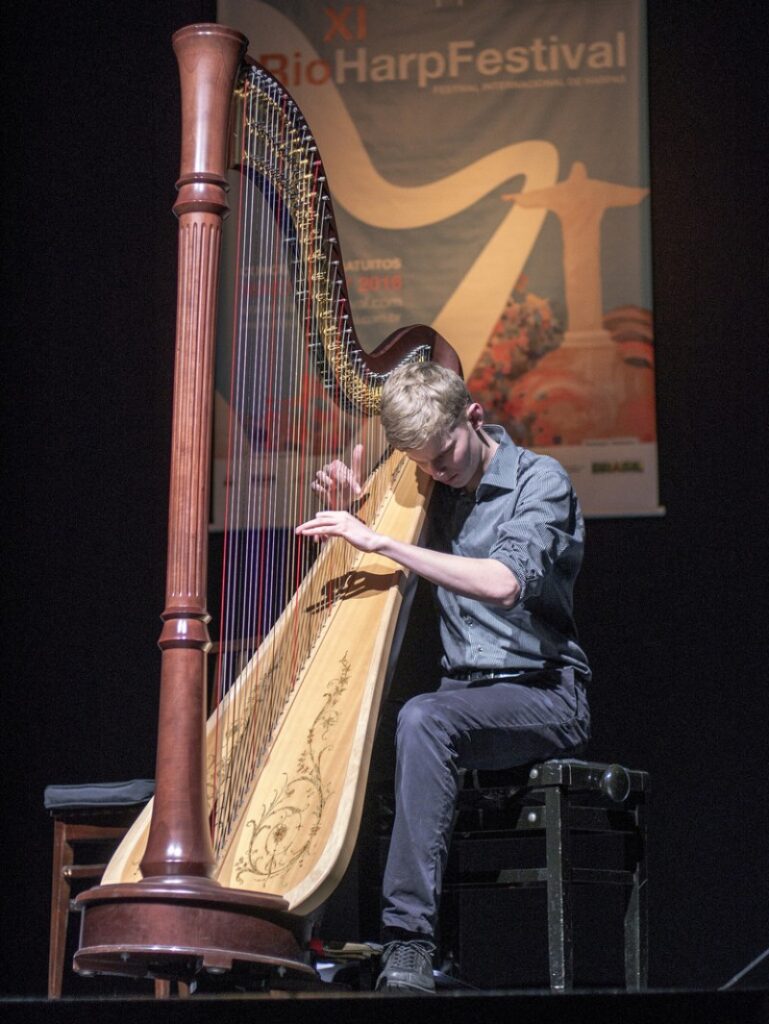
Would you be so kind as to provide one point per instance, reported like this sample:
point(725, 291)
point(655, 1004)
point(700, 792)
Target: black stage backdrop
point(671, 609)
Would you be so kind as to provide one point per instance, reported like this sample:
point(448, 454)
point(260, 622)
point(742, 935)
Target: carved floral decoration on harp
point(222, 762)
point(281, 837)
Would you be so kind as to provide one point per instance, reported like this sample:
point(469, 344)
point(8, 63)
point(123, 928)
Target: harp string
point(217, 769)
point(256, 564)
point(292, 319)
point(247, 622)
point(257, 367)
point(232, 537)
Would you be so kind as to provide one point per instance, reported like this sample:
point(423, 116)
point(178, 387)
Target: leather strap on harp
point(256, 810)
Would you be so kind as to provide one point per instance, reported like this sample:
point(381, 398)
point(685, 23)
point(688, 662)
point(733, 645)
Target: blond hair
point(421, 401)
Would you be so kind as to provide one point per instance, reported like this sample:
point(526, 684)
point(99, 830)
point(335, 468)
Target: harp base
point(176, 927)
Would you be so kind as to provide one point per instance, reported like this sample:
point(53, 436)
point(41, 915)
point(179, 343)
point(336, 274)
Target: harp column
point(179, 841)
point(178, 920)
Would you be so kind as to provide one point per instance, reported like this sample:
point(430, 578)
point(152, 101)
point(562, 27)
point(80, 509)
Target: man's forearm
point(485, 579)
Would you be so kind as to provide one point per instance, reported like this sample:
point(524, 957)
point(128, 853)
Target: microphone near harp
point(257, 808)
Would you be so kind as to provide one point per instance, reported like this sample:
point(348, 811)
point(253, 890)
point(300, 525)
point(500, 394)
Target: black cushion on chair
point(98, 794)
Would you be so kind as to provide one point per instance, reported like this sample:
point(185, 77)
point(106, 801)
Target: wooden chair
point(92, 816)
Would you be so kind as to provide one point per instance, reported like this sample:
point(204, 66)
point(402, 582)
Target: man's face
point(455, 459)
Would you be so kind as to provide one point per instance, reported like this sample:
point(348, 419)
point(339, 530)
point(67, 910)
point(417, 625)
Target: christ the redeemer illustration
point(579, 203)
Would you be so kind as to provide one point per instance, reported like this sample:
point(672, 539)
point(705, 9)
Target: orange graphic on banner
point(593, 381)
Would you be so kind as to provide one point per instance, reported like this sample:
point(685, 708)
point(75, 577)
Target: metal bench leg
point(636, 912)
point(559, 906)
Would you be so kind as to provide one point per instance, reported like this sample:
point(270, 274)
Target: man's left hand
point(340, 524)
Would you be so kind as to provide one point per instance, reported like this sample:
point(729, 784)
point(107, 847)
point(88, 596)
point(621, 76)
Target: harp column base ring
point(175, 928)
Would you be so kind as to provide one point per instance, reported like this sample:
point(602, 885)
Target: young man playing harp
point(504, 548)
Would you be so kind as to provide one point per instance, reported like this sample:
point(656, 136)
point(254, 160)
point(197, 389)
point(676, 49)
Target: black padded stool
point(556, 801)
point(96, 815)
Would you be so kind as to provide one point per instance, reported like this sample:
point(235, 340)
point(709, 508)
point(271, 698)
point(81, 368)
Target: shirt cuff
point(515, 569)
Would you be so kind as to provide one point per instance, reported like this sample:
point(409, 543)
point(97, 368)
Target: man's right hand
point(338, 484)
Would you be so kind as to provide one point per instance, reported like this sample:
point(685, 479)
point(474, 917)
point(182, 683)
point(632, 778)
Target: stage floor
point(613, 1007)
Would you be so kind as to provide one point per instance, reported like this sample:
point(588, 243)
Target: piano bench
point(544, 814)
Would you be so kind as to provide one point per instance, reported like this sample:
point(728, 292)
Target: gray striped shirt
point(526, 515)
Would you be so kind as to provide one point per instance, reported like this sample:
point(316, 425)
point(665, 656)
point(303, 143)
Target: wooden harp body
point(257, 807)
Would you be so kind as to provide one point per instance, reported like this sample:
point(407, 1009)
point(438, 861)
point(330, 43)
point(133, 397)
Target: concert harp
point(257, 807)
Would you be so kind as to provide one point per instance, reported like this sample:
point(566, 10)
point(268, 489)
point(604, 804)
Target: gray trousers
point(486, 725)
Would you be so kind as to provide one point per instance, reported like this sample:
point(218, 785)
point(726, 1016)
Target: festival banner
point(489, 169)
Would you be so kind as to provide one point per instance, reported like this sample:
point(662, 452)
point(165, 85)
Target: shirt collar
point(502, 471)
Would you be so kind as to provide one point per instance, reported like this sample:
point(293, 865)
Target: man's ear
point(475, 415)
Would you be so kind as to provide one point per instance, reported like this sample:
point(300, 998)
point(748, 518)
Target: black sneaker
point(407, 967)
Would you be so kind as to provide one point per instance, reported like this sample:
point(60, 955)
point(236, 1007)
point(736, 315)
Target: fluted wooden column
point(179, 841)
point(178, 920)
